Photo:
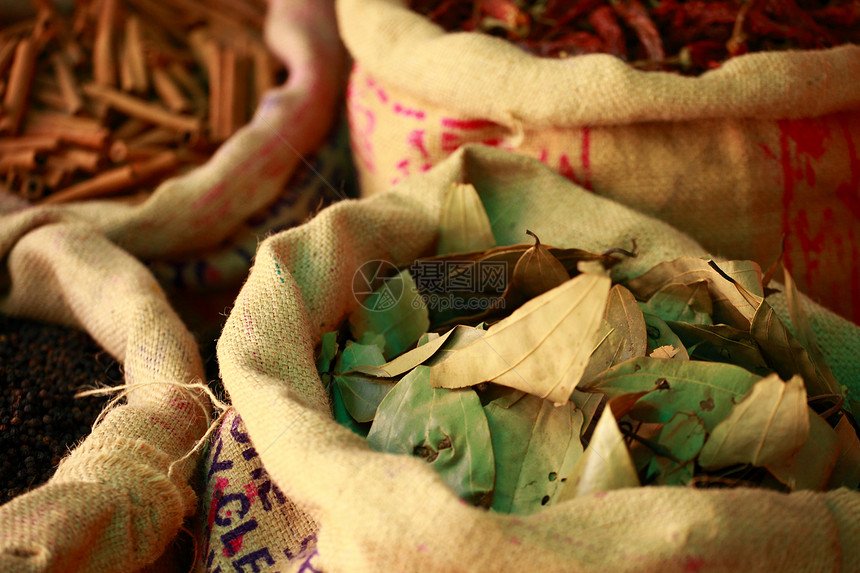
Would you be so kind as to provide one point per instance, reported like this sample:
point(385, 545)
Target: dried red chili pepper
point(634, 15)
point(603, 20)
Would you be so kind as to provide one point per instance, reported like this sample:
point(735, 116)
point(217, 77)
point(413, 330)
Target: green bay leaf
point(448, 428)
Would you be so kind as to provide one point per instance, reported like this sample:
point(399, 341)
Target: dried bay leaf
point(328, 351)
point(542, 348)
point(811, 466)
point(708, 390)
point(659, 334)
point(625, 318)
point(622, 333)
point(537, 270)
point(341, 415)
point(360, 394)
point(463, 222)
point(395, 312)
point(536, 446)
point(722, 343)
point(431, 352)
point(605, 464)
point(786, 355)
point(734, 304)
point(682, 302)
point(448, 428)
point(846, 472)
point(768, 425)
point(805, 335)
point(683, 435)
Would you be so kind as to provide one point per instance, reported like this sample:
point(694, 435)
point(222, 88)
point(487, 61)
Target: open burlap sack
point(765, 145)
point(197, 211)
point(380, 512)
point(115, 503)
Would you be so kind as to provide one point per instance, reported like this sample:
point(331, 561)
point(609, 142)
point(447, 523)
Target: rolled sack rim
point(479, 75)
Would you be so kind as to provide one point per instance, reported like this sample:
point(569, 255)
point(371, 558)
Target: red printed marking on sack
point(849, 191)
point(380, 93)
point(408, 111)
point(585, 157)
point(466, 124)
point(416, 140)
point(251, 491)
point(808, 137)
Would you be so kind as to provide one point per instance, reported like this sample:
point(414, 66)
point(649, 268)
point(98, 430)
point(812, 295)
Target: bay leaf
point(706, 389)
point(683, 435)
point(663, 471)
point(767, 425)
point(605, 464)
point(622, 334)
point(542, 348)
point(536, 447)
point(341, 415)
point(590, 405)
point(682, 302)
point(463, 222)
point(624, 316)
point(427, 337)
point(537, 270)
point(360, 394)
point(811, 466)
point(328, 351)
point(395, 312)
point(846, 472)
point(806, 335)
point(355, 354)
point(443, 345)
point(483, 280)
point(723, 343)
point(666, 352)
point(658, 334)
point(786, 355)
point(733, 303)
point(448, 428)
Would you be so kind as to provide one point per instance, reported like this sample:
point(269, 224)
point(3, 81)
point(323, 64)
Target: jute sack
point(245, 520)
point(765, 146)
point(380, 512)
point(116, 502)
point(197, 211)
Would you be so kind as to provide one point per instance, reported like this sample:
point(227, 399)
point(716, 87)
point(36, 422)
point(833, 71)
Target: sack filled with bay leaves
point(388, 511)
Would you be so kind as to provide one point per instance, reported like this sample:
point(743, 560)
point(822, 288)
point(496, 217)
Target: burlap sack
point(195, 212)
point(121, 496)
point(766, 145)
point(245, 520)
point(113, 504)
point(380, 512)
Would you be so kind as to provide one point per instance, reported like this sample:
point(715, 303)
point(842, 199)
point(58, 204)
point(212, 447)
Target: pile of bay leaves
point(525, 377)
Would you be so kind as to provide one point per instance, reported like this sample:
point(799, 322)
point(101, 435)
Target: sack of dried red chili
point(765, 145)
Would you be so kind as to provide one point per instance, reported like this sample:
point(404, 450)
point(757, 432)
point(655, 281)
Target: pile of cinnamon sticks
point(119, 94)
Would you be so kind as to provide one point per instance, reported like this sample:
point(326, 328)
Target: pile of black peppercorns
point(42, 367)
